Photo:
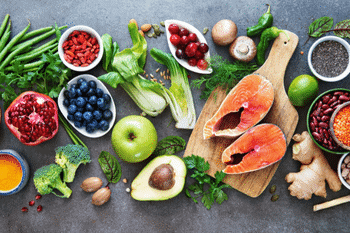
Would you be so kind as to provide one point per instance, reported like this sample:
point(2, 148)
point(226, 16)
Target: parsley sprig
point(214, 192)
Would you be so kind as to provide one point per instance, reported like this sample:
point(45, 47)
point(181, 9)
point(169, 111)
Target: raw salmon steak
point(259, 147)
point(252, 97)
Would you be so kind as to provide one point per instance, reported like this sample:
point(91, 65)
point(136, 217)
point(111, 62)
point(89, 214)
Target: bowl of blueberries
point(88, 106)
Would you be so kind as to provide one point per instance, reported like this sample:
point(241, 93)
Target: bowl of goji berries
point(80, 48)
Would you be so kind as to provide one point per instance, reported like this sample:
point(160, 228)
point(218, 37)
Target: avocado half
point(141, 190)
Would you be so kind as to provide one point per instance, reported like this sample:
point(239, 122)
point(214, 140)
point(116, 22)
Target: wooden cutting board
point(282, 113)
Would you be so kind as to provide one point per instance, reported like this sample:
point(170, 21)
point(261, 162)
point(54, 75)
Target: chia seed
point(330, 58)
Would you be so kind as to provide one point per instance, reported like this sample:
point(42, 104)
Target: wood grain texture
point(282, 113)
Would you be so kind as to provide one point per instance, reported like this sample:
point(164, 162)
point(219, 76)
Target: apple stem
point(131, 136)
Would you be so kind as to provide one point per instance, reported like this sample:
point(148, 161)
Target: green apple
point(134, 138)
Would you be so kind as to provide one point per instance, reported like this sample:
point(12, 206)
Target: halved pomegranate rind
point(32, 117)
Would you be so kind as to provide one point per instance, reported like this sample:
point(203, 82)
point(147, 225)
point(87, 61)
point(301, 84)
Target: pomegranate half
point(32, 117)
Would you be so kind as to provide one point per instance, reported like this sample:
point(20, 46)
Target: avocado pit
point(162, 178)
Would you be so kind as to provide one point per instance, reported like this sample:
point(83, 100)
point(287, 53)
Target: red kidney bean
point(338, 93)
point(325, 118)
point(334, 98)
point(323, 125)
point(326, 98)
point(325, 133)
point(344, 97)
point(317, 136)
point(324, 106)
point(328, 111)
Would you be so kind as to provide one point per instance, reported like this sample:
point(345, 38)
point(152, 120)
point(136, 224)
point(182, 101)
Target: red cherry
point(173, 29)
point(198, 43)
point(202, 64)
point(203, 47)
point(192, 37)
point(191, 49)
point(184, 40)
point(192, 61)
point(199, 55)
point(175, 39)
point(183, 32)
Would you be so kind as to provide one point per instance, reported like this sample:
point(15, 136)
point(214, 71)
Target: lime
point(303, 90)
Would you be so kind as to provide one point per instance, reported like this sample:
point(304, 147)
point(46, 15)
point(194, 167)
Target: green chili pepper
point(265, 21)
point(266, 36)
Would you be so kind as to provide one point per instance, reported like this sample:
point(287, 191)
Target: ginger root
point(314, 171)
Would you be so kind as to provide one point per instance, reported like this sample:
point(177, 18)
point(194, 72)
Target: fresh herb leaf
point(170, 145)
point(320, 26)
point(342, 29)
point(214, 193)
point(110, 166)
point(225, 74)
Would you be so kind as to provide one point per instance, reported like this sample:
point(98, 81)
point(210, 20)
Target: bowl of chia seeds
point(329, 58)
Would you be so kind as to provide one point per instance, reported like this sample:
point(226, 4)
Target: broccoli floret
point(48, 178)
point(69, 157)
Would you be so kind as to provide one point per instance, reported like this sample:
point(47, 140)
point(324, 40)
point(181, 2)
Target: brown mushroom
point(224, 32)
point(243, 49)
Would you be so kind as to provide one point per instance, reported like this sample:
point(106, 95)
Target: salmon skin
point(254, 94)
point(260, 147)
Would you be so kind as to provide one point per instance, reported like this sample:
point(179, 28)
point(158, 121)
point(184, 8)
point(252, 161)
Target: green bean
point(32, 56)
point(12, 42)
point(39, 48)
point(6, 36)
point(36, 39)
point(11, 56)
point(35, 33)
point(3, 25)
point(28, 65)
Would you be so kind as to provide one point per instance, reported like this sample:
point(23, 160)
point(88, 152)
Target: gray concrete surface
point(123, 214)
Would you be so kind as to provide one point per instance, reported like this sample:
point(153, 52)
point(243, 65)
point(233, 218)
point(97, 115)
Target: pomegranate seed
point(24, 209)
point(31, 203)
point(37, 197)
point(39, 208)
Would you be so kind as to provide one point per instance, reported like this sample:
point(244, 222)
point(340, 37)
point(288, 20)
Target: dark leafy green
point(342, 29)
point(225, 74)
point(110, 167)
point(320, 25)
point(170, 145)
point(214, 193)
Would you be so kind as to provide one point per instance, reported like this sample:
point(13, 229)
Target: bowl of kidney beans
point(80, 48)
point(88, 106)
point(188, 46)
point(319, 116)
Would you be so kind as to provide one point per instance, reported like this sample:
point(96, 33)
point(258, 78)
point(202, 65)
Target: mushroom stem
point(243, 49)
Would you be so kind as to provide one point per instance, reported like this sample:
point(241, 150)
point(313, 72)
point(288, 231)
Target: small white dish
point(172, 48)
point(309, 58)
point(343, 181)
point(64, 110)
point(93, 33)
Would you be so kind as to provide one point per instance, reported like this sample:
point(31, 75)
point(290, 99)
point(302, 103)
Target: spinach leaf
point(342, 29)
point(320, 26)
point(170, 145)
point(110, 166)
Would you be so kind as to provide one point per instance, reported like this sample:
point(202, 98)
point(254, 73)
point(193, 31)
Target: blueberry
point(99, 92)
point(101, 103)
point(92, 84)
point(91, 92)
point(79, 93)
point(72, 109)
point(75, 86)
point(80, 109)
point(66, 94)
point(87, 116)
point(78, 124)
point(85, 123)
point(80, 102)
point(70, 117)
point(90, 129)
point(107, 98)
point(107, 114)
point(80, 81)
point(89, 108)
point(73, 101)
point(66, 102)
point(93, 124)
point(93, 100)
point(97, 114)
point(84, 87)
point(72, 92)
point(103, 125)
point(78, 116)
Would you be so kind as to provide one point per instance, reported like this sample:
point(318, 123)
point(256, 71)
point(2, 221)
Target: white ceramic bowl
point(339, 171)
point(172, 48)
point(309, 58)
point(93, 33)
point(64, 109)
point(25, 172)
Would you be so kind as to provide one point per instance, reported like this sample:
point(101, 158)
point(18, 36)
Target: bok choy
point(125, 68)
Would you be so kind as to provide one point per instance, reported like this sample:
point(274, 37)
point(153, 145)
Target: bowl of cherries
point(188, 46)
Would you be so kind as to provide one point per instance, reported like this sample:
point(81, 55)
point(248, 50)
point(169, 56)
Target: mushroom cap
point(224, 32)
point(243, 48)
